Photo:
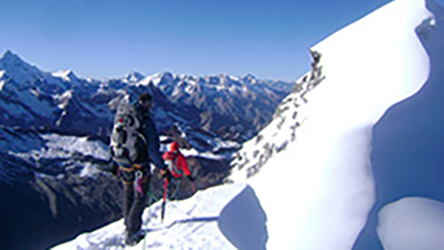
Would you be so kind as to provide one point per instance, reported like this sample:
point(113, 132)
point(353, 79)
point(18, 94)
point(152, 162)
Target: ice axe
point(165, 194)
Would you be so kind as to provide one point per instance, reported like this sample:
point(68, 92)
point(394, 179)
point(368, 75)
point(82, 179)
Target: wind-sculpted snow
point(412, 223)
point(407, 143)
point(324, 171)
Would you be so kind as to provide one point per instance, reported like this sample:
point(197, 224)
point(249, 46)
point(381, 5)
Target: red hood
point(174, 146)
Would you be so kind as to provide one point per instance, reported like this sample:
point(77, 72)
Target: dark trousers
point(135, 183)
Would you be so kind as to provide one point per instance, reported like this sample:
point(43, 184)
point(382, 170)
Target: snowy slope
point(189, 224)
point(309, 172)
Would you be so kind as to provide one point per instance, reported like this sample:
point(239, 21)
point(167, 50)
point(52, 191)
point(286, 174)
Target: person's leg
point(136, 211)
point(127, 177)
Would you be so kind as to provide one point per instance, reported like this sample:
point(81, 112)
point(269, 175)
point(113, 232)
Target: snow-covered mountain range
point(351, 160)
point(54, 131)
point(62, 101)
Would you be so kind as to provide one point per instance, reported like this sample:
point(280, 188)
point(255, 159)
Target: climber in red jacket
point(176, 162)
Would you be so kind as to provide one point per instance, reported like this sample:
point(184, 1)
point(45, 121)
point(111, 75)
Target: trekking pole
point(165, 194)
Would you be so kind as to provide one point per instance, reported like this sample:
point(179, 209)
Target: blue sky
point(269, 39)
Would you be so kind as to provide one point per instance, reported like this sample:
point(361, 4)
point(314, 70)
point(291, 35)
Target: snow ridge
point(281, 131)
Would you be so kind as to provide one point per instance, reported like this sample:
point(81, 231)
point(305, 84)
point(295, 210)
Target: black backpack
point(127, 141)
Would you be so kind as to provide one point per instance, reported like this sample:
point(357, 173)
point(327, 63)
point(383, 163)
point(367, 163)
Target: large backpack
point(127, 142)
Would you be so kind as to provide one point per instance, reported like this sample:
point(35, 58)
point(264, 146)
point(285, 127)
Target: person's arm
point(152, 138)
point(183, 164)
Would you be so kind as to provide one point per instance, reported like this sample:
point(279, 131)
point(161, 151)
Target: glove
point(191, 178)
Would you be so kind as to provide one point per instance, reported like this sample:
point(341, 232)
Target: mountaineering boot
point(134, 239)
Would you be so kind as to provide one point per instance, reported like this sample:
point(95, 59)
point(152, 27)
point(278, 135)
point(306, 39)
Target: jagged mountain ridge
point(233, 108)
point(31, 98)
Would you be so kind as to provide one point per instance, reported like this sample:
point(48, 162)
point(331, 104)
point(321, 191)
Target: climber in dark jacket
point(139, 172)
